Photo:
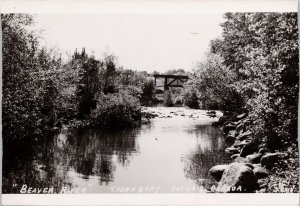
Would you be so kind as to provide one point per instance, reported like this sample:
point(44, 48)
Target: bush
point(212, 104)
point(191, 99)
point(148, 93)
point(116, 110)
point(178, 101)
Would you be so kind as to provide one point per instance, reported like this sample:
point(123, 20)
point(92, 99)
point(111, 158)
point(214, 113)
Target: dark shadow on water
point(199, 160)
point(49, 162)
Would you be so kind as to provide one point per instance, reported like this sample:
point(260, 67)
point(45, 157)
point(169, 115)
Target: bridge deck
point(171, 80)
point(171, 76)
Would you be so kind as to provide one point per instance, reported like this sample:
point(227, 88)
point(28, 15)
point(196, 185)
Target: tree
point(109, 75)
point(148, 92)
point(35, 81)
point(88, 82)
point(214, 83)
point(28, 92)
point(262, 50)
point(191, 98)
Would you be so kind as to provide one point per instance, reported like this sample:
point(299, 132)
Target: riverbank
point(255, 167)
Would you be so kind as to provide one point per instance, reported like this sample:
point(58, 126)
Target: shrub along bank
point(42, 91)
point(253, 72)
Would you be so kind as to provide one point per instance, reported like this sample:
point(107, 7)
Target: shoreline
point(254, 167)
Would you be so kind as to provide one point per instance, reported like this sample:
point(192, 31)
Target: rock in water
point(216, 172)
point(237, 177)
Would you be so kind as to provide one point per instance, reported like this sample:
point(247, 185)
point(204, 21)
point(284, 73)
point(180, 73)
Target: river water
point(169, 153)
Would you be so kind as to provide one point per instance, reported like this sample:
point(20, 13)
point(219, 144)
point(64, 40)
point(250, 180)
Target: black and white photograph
point(160, 103)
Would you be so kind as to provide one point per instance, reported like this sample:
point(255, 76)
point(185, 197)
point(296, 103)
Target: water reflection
point(84, 152)
point(205, 155)
point(165, 153)
point(93, 151)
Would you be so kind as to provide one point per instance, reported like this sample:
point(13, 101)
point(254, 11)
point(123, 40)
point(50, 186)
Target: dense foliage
point(255, 67)
point(30, 83)
point(191, 98)
point(214, 83)
point(41, 91)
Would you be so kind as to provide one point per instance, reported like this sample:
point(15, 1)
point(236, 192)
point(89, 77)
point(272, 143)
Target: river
point(169, 153)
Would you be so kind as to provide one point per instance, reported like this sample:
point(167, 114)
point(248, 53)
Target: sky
point(141, 41)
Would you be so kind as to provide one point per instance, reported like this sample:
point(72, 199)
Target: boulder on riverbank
point(248, 149)
point(253, 152)
point(230, 138)
point(241, 144)
point(232, 150)
point(260, 172)
point(240, 128)
point(240, 159)
point(216, 172)
point(244, 135)
point(237, 177)
point(234, 156)
point(254, 158)
point(241, 116)
point(229, 127)
point(269, 159)
point(221, 121)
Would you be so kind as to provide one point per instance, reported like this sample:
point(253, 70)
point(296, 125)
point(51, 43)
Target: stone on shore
point(237, 177)
point(254, 158)
point(244, 135)
point(269, 159)
point(240, 144)
point(216, 172)
point(232, 150)
point(233, 133)
point(241, 116)
point(240, 128)
point(240, 159)
point(231, 136)
point(260, 172)
point(234, 156)
point(229, 127)
point(248, 149)
point(220, 121)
